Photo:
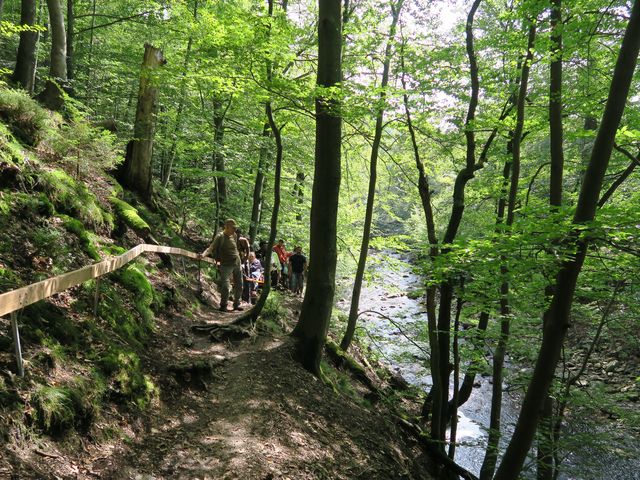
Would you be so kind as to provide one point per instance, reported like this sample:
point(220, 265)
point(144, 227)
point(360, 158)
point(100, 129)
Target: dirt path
point(255, 415)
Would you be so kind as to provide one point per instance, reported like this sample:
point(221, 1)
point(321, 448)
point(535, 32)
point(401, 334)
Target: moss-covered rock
point(27, 120)
point(73, 198)
point(128, 379)
point(138, 283)
point(130, 217)
point(75, 226)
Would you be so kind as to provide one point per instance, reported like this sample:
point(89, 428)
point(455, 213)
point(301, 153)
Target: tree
point(375, 148)
point(311, 329)
point(557, 315)
point(52, 95)
point(24, 72)
point(136, 172)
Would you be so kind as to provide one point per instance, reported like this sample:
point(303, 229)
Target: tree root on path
point(220, 333)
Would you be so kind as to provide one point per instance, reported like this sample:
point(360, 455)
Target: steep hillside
point(133, 392)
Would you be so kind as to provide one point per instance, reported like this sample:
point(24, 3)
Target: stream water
point(397, 342)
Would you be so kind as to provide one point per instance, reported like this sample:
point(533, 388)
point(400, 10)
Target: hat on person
point(231, 222)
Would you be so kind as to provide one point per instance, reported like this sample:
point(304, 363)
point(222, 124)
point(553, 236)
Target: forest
point(460, 176)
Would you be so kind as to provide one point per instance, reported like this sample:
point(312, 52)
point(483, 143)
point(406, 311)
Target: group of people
point(243, 265)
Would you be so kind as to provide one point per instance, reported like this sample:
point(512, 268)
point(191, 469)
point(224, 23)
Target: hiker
point(254, 277)
point(283, 256)
point(224, 250)
point(243, 246)
point(297, 267)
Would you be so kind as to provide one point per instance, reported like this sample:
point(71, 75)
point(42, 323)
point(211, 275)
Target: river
point(402, 345)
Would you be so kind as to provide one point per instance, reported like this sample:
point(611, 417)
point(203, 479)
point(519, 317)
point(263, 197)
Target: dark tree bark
point(311, 329)
point(253, 314)
point(546, 443)
point(557, 315)
point(373, 175)
point(52, 96)
point(258, 186)
point(555, 105)
point(24, 73)
point(491, 453)
point(440, 387)
point(425, 197)
point(136, 173)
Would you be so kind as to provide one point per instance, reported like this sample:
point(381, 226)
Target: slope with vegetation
point(134, 391)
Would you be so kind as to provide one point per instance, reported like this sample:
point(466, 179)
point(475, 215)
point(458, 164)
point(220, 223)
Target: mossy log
point(130, 217)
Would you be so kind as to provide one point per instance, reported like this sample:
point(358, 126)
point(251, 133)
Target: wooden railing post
point(96, 298)
point(16, 343)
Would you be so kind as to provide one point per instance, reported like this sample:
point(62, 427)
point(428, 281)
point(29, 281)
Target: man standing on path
point(297, 267)
point(224, 250)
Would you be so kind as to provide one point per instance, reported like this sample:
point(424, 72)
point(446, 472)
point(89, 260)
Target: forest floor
point(233, 410)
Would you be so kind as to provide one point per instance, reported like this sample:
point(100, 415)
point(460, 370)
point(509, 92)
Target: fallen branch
point(435, 453)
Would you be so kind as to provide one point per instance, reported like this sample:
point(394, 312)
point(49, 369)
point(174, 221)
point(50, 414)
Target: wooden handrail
point(17, 299)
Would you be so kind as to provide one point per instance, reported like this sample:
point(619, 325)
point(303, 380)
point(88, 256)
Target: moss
point(28, 206)
point(136, 281)
point(124, 320)
point(10, 149)
point(75, 226)
point(27, 120)
point(60, 408)
point(43, 320)
point(72, 198)
point(128, 380)
point(8, 280)
point(130, 216)
point(113, 249)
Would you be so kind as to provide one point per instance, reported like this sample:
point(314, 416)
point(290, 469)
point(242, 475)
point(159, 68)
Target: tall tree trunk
point(373, 169)
point(253, 314)
point(137, 168)
point(491, 453)
point(168, 165)
point(440, 388)
point(311, 329)
point(425, 197)
point(558, 312)
point(258, 186)
point(219, 113)
point(24, 71)
point(71, 19)
point(546, 442)
point(52, 96)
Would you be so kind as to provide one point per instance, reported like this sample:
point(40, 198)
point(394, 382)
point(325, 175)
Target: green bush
point(10, 149)
point(28, 206)
point(58, 409)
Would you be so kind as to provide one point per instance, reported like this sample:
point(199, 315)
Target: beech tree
point(311, 329)
point(25, 70)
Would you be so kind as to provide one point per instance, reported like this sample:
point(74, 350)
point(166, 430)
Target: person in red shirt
point(283, 256)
